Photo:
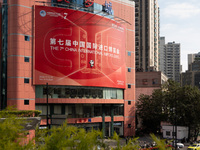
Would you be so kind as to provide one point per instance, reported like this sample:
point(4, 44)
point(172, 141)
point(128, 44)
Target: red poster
point(78, 48)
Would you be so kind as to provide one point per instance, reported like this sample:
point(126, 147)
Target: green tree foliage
point(64, 137)
point(149, 108)
point(19, 113)
point(160, 144)
point(173, 103)
point(68, 137)
point(12, 134)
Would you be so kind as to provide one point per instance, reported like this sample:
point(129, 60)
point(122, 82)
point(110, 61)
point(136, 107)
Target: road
point(185, 147)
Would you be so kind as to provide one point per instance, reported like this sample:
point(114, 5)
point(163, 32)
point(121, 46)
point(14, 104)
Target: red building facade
point(77, 59)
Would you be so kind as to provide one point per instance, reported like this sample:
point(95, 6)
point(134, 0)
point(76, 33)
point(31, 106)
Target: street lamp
point(47, 92)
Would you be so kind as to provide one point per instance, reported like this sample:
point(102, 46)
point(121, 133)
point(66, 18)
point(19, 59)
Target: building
point(192, 75)
point(75, 58)
point(147, 22)
point(169, 132)
point(191, 59)
point(170, 59)
point(146, 83)
point(162, 54)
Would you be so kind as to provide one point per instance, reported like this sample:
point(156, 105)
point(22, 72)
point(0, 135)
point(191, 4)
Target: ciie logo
point(42, 13)
point(91, 63)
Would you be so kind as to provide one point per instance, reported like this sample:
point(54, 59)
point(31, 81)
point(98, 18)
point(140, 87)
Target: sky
point(180, 22)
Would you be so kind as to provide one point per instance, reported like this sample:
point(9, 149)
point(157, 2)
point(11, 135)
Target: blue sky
point(180, 22)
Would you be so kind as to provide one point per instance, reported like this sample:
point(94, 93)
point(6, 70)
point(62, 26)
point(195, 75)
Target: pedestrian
point(126, 140)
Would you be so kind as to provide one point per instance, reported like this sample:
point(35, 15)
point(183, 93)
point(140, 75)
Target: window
point(107, 110)
point(129, 85)
point(26, 59)
point(27, 38)
point(79, 92)
point(57, 109)
point(129, 69)
point(145, 82)
point(154, 81)
point(173, 133)
point(118, 110)
point(168, 133)
point(97, 110)
point(129, 102)
point(87, 110)
point(42, 108)
point(26, 102)
point(26, 80)
point(129, 53)
point(113, 94)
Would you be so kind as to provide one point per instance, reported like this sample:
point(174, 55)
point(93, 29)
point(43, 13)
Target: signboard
point(87, 3)
point(78, 48)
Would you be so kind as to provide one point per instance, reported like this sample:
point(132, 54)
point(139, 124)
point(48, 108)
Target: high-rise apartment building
point(147, 35)
point(192, 58)
point(170, 59)
point(192, 75)
point(162, 54)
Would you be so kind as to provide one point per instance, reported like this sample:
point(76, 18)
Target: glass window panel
point(97, 110)
point(120, 94)
point(43, 109)
point(87, 110)
point(113, 94)
point(107, 110)
point(57, 109)
point(79, 111)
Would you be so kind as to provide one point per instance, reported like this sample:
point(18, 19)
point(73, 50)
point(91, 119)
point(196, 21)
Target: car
point(195, 146)
point(178, 144)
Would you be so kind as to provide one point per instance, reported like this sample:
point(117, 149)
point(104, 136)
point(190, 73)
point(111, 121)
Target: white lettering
point(75, 43)
point(82, 44)
point(54, 48)
point(52, 41)
point(68, 42)
point(89, 45)
point(61, 42)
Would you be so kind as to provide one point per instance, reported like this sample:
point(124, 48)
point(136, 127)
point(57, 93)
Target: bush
point(10, 111)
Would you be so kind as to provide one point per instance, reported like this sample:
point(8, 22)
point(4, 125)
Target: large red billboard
point(78, 48)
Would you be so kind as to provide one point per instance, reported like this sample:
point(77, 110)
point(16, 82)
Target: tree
point(12, 134)
point(149, 109)
point(61, 137)
point(173, 103)
point(68, 137)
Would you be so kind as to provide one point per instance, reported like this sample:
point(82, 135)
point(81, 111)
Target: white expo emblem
point(42, 13)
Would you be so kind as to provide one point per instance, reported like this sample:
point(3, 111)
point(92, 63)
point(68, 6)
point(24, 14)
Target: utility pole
point(176, 123)
point(47, 92)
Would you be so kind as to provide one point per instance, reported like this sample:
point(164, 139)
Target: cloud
point(168, 27)
point(181, 10)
